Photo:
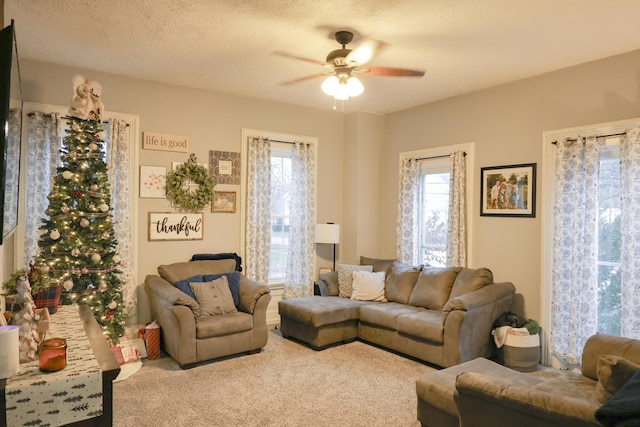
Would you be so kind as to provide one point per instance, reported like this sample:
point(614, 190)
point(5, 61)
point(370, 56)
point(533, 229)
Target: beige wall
point(358, 153)
point(213, 122)
point(506, 123)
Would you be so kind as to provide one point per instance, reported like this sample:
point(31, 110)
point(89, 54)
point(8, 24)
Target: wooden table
point(108, 366)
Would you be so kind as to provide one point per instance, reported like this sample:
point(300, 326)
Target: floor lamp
point(328, 233)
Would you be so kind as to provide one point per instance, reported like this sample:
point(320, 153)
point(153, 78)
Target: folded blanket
point(623, 409)
point(532, 326)
point(226, 255)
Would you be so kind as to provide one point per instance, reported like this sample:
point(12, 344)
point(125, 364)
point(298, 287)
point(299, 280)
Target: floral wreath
point(180, 194)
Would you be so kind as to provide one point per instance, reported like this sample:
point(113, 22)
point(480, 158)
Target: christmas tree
point(77, 246)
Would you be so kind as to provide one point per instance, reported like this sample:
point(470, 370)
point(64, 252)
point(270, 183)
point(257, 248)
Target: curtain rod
point(439, 157)
point(597, 136)
point(62, 117)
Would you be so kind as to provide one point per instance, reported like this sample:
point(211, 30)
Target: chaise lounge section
point(442, 316)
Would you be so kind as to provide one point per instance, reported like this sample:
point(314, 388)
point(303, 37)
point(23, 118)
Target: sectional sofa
point(442, 316)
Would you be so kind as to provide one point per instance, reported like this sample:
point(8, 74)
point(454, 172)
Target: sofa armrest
point(468, 320)
point(328, 284)
point(485, 295)
point(250, 293)
point(172, 309)
point(486, 400)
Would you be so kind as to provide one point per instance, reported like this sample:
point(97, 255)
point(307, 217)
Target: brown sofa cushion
point(470, 280)
point(425, 324)
point(378, 264)
point(400, 282)
point(613, 373)
point(433, 287)
point(182, 270)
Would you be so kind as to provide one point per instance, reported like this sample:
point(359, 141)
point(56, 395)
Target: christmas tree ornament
point(67, 174)
point(75, 252)
point(44, 268)
point(112, 305)
point(67, 285)
point(96, 257)
point(65, 209)
point(75, 127)
point(93, 146)
point(103, 207)
point(94, 187)
point(27, 322)
point(55, 234)
point(105, 236)
point(102, 286)
point(84, 223)
point(116, 258)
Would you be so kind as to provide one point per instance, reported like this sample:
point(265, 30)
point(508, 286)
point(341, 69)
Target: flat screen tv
point(10, 130)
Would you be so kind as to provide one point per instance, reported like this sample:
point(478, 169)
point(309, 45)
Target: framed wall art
point(508, 191)
point(152, 182)
point(224, 201)
point(224, 166)
point(175, 226)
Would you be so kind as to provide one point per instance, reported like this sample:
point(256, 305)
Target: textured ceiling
point(227, 45)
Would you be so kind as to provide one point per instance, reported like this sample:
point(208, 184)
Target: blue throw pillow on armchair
point(234, 283)
point(183, 284)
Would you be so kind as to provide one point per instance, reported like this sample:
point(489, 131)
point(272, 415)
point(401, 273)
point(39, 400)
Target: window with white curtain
point(591, 276)
point(429, 236)
point(122, 165)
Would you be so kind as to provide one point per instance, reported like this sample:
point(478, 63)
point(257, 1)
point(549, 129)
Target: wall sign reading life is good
point(175, 226)
point(165, 142)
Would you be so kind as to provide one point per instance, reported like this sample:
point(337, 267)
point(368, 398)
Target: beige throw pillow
point(213, 297)
point(613, 373)
point(345, 277)
point(368, 286)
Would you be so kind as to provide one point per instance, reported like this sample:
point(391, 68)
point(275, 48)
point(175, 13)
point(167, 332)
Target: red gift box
point(151, 337)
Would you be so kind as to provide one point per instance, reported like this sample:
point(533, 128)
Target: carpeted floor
point(287, 384)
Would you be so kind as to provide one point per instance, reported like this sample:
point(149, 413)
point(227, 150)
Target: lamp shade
point(327, 233)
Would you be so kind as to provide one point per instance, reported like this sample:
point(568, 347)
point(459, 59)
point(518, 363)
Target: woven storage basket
point(521, 352)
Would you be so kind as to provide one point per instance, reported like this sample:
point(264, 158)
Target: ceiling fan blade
point(304, 79)
point(300, 58)
point(363, 52)
point(390, 71)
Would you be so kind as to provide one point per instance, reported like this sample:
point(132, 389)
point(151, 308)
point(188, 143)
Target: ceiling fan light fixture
point(330, 85)
point(355, 86)
point(342, 92)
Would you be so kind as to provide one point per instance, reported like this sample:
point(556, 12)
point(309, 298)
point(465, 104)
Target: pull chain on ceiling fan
point(343, 62)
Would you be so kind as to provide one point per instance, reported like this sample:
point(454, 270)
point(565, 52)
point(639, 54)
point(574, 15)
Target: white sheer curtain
point(258, 221)
point(301, 248)
point(408, 201)
point(42, 157)
point(630, 242)
point(118, 170)
point(575, 247)
point(456, 224)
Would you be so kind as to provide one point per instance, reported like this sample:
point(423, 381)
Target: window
point(275, 243)
point(423, 214)
point(433, 212)
point(280, 209)
point(609, 235)
point(590, 277)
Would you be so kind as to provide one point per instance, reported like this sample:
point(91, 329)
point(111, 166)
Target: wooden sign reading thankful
point(175, 226)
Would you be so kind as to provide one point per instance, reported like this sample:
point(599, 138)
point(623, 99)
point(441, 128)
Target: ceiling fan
point(343, 63)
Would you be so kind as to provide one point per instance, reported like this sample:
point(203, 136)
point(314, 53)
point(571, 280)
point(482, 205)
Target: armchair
point(191, 339)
